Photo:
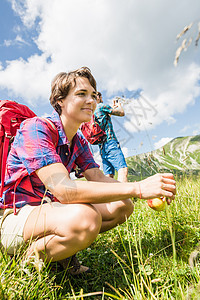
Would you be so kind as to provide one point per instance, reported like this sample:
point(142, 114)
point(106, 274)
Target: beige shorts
point(12, 227)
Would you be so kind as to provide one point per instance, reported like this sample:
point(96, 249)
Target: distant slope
point(180, 156)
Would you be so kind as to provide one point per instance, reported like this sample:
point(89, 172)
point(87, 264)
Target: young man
point(56, 215)
point(111, 153)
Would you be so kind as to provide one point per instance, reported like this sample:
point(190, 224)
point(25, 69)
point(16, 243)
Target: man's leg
point(114, 213)
point(59, 231)
point(110, 175)
point(123, 174)
point(108, 169)
point(115, 160)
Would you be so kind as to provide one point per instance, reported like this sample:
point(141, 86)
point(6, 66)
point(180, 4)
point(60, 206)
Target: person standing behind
point(111, 153)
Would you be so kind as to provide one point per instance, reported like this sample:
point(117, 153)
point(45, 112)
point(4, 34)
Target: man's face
point(99, 99)
point(80, 103)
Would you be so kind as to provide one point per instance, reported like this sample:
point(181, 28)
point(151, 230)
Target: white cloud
point(162, 142)
point(25, 83)
point(172, 99)
point(17, 41)
point(7, 43)
point(191, 129)
point(185, 128)
point(127, 44)
point(196, 131)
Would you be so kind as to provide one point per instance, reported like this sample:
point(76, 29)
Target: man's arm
point(95, 174)
point(56, 179)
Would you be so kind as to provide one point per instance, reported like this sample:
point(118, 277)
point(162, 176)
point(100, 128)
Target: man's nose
point(91, 99)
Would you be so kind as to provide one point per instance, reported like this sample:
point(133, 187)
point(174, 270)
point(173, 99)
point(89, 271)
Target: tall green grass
point(145, 258)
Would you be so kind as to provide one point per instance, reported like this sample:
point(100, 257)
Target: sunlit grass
point(145, 258)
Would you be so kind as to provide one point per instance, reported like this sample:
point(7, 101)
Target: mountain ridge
point(180, 156)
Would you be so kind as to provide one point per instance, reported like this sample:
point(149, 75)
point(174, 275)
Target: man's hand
point(159, 185)
point(117, 108)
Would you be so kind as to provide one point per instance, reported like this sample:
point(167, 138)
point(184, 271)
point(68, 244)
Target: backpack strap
point(4, 159)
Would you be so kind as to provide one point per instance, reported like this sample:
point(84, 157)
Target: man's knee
point(127, 208)
point(86, 225)
point(122, 210)
point(90, 220)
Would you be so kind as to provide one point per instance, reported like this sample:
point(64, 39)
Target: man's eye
point(94, 97)
point(81, 94)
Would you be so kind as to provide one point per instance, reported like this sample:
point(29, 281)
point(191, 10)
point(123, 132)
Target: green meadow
point(145, 258)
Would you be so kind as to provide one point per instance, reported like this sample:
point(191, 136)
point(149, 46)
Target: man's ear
point(60, 102)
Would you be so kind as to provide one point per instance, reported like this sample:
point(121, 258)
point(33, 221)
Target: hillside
point(180, 156)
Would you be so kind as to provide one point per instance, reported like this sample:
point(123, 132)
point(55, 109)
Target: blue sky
point(128, 45)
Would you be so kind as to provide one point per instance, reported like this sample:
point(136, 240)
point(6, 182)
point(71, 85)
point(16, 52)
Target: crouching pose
point(56, 215)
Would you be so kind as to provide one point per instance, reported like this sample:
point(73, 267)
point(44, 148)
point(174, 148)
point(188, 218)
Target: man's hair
point(63, 82)
point(99, 98)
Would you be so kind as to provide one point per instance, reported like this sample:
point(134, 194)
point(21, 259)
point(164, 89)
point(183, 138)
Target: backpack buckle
point(8, 135)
